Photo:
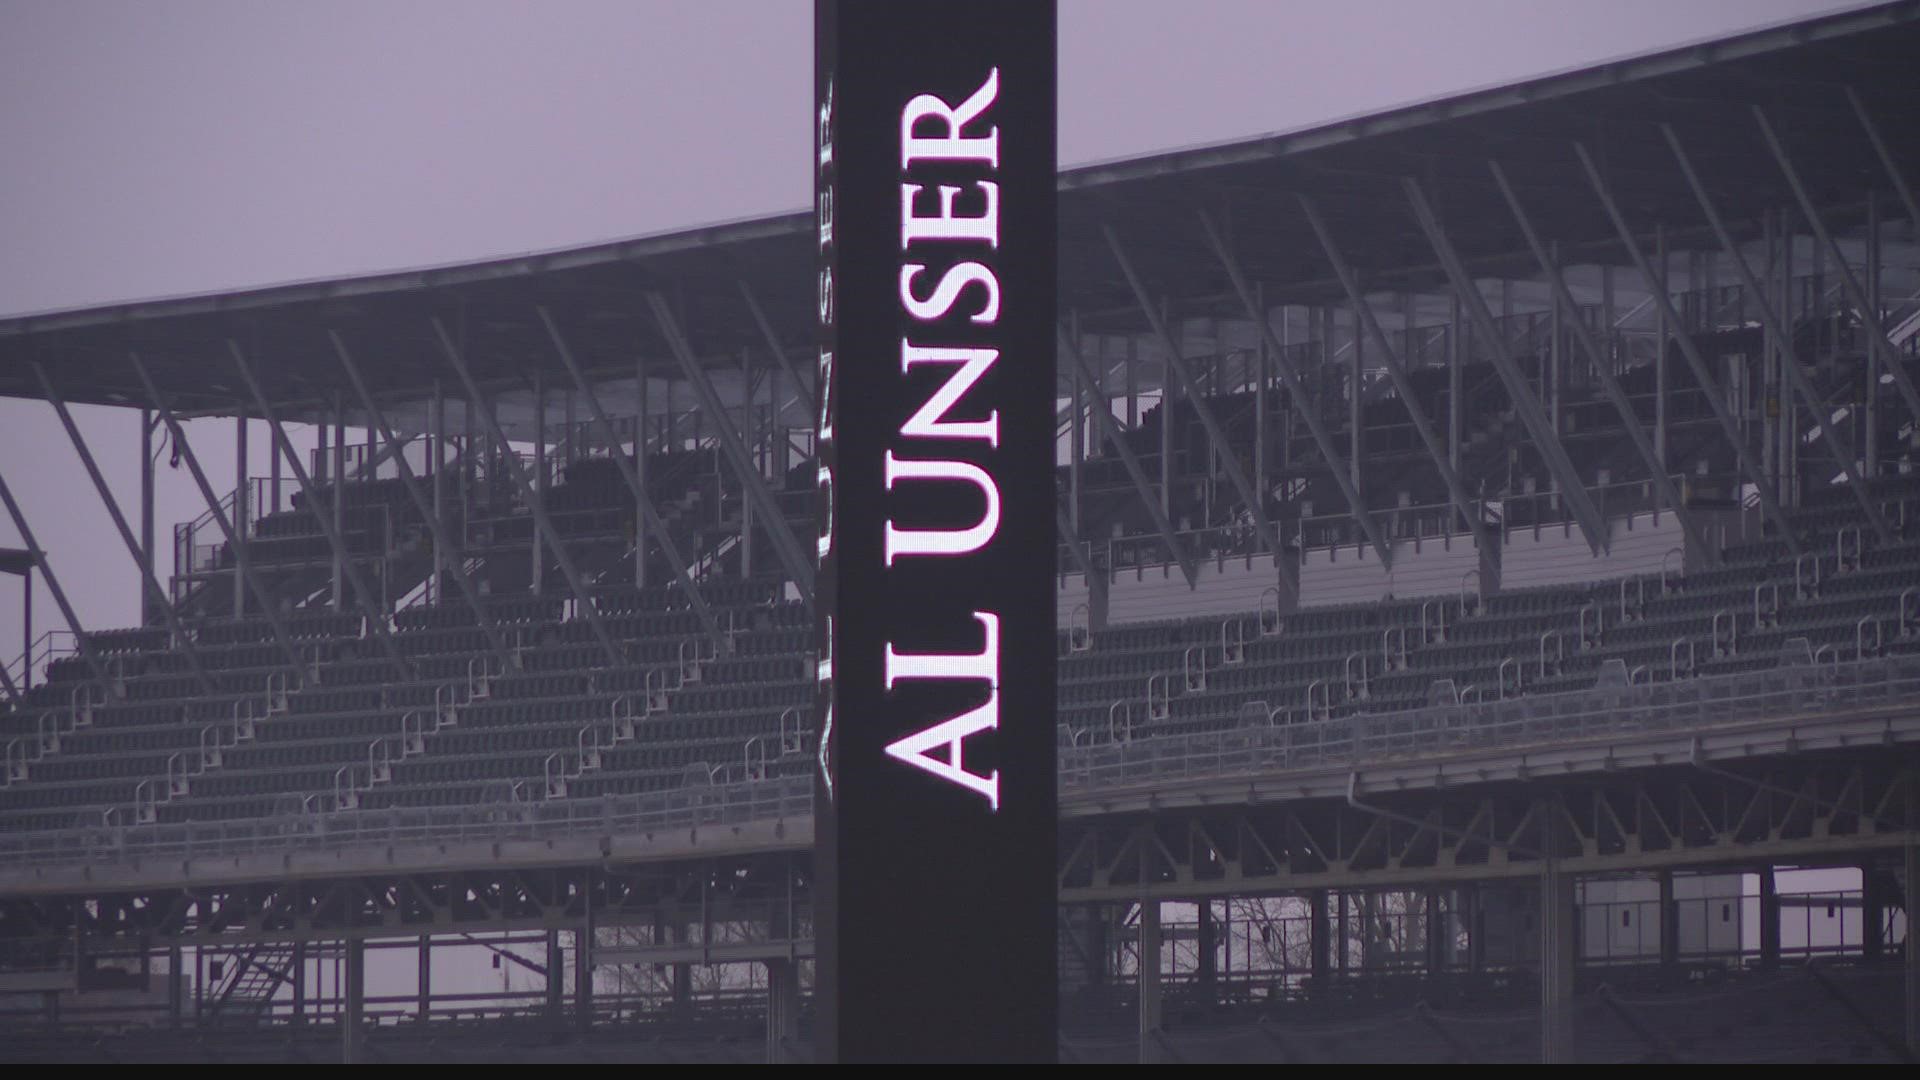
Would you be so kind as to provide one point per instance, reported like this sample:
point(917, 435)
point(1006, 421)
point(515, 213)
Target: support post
point(1319, 945)
point(1603, 370)
point(330, 523)
point(1911, 948)
point(353, 1012)
point(1702, 374)
point(146, 512)
point(649, 514)
point(1871, 326)
point(517, 474)
point(798, 566)
point(1781, 335)
point(1149, 980)
point(536, 575)
point(261, 594)
point(1216, 435)
point(39, 557)
point(1110, 428)
point(1769, 919)
point(445, 545)
point(155, 591)
point(1669, 922)
point(423, 983)
point(556, 981)
point(1557, 952)
point(1299, 397)
point(1592, 525)
point(1366, 322)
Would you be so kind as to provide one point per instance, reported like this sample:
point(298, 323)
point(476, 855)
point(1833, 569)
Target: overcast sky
point(161, 148)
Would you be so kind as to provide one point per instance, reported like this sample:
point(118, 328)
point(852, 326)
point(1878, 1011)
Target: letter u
point(942, 541)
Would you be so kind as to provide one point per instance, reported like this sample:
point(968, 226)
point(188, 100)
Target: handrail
point(1163, 707)
point(380, 760)
point(1433, 631)
point(1518, 686)
point(346, 795)
point(210, 756)
point(1325, 711)
point(1393, 649)
point(1269, 616)
point(1729, 645)
point(1079, 629)
point(1768, 615)
point(792, 738)
point(1667, 587)
point(755, 770)
point(1120, 721)
point(1909, 622)
point(1638, 608)
point(1560, 653)
point(1359, 690)
point(1233, 640)
point(1469, 597)
point(1806, 587)
point(1841, 549)
point(1860, 637)
point(1193, 669)
point(1591, 639)
point(1673, 658)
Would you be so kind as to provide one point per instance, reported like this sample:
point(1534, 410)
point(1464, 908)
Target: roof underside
point(1353, 169)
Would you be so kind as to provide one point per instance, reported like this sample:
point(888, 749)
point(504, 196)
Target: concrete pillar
point(556, 979)
point(352, 1038)
point(1558, 920)
point(176, 985)
point(1149, 980)
point(1912, 947)
point(299, 1017)
point(583, 979)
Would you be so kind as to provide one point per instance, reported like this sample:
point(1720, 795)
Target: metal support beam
point(1875, 330)
point(1603, 368)
point(1216, 435)
point(1297, 394)
point(261, 594)
point(443, 540)
point(648, 513)
point(39, 556)
point(329, 516)
point(1369, 324)
point(177, 632)
point(354, 1005)
point(1110, 428)
point(1894, 174)
point(1702, 374)
point(1779, 333)
point(1592, 525)
point(779, 354)
point(517, 474)
point(792, 557)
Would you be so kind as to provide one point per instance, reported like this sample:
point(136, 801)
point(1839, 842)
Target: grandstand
point(1488, 599)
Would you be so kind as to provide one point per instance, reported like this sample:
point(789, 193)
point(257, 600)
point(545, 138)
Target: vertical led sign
point(935, 803)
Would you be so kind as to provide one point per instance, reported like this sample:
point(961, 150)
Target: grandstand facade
point(1488, 615)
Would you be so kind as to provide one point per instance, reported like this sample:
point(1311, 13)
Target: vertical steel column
point(242, 511)
point(1149, 981)
point(39, 556)
point(556, 980)
point(1875, 331)
point(1259, 397)
point(1669, 922)
point(1769, 919)
point(336, 500)
point(796, 562)
point(1366, 322)
point(261, 594)
point(1558, 945)
point(1075, 429)
point(1592, 525)
point(640, 453)
point(1911, 948)
point(1216, 435)
point(1629, 420)
point(1555, 372)
point(444, 544)
point(516, 473)
point(1701, 372)
point(750, 424)
point(1456, 383)
point(1780, 332)
point(539, 477)
point(1870, 397)
point(636, 481)
point(1356, 416)
point(353, 1010)
point(1660, 345)
point(175, 631)
point(330, 523)
point(436, 467)
point(146, 510)
point(1117, 438)
point(423, 980)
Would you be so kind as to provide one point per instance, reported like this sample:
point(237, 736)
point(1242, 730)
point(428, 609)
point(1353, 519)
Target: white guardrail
point(1806, 690)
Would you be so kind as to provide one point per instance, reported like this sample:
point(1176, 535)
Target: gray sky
point(165, 148)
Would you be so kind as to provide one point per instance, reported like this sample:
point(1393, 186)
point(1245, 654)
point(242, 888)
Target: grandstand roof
point(1800, 72)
